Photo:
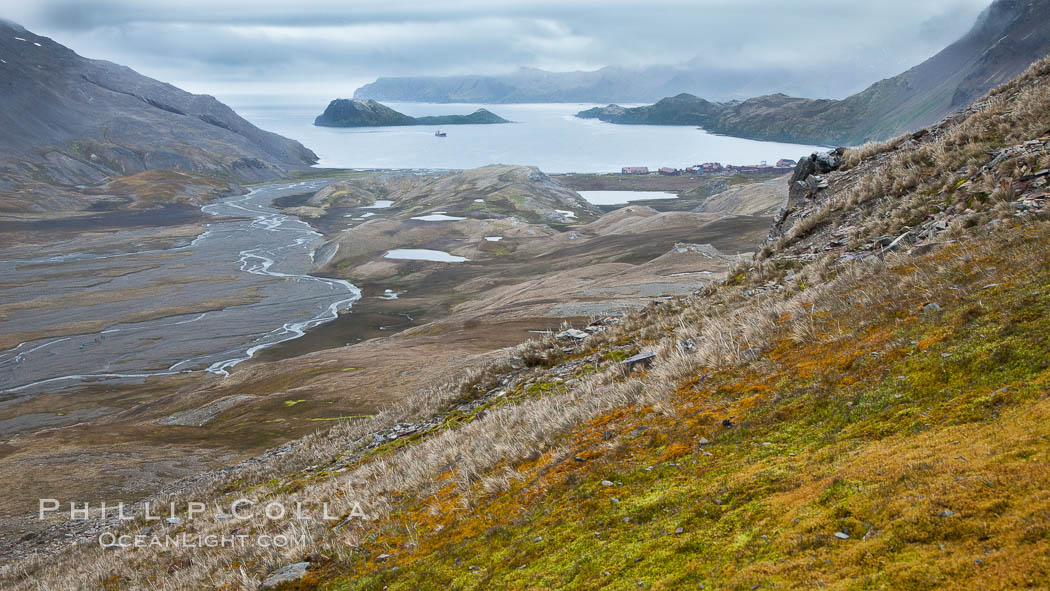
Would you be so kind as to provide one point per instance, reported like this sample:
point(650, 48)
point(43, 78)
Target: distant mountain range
point(609, 84)
point(66, 121)
point(369, 113)
point(1007, 37)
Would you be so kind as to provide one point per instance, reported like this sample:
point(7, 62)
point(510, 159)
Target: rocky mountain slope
point(70, 121)
point(1007, 37)
point(863, 404)
point(369, 113)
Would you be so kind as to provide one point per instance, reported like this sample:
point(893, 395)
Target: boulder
point(639, 360)
point(818, 163)
point(826, 162)
point(805, 181)
point(803, 169)
point(285, 574)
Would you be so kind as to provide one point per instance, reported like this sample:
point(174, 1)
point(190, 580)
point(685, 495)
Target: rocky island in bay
point(369, 113)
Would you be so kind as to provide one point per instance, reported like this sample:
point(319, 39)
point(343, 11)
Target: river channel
point(128, 305)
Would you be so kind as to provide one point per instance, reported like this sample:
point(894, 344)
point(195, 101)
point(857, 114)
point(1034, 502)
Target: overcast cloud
point(328, 48)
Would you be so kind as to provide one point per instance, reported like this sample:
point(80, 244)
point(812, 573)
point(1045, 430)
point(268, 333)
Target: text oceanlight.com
point(111, 540)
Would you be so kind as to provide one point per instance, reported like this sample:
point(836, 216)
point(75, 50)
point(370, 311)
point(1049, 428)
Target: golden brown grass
point(903, 181)
point(858, 154)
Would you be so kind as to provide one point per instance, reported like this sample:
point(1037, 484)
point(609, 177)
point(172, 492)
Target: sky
point(243, 50)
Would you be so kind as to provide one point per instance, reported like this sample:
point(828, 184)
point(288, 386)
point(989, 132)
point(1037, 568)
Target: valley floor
point(124, 441)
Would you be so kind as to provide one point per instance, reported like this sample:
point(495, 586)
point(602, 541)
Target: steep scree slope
point(68, 120)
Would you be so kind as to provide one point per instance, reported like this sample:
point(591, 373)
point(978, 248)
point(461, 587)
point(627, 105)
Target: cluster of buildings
point(716, 168)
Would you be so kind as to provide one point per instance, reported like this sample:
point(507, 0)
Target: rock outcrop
point(806, 180)
point(285, 575)
point(806, 185)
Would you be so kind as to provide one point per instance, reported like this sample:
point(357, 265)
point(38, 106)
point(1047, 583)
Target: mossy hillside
point(923, 437)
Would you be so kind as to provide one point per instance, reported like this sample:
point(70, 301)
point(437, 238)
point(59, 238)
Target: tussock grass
point(858, 154)
point(904, 180)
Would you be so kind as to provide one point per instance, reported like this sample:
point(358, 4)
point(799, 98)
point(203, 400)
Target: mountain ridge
point(608, 84)
point(1007, 37)
point(69, 121)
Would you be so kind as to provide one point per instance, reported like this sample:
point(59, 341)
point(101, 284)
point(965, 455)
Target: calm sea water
point(543, 135)
point(621, 197)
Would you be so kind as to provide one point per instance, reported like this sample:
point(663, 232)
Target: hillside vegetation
point(865, 405)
